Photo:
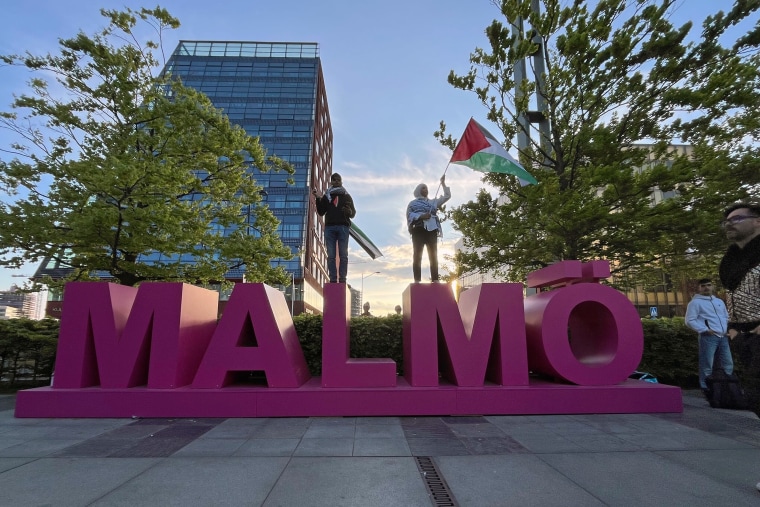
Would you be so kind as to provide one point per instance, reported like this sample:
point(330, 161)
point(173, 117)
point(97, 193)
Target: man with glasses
point(740, 275)
point(337, 206)
point(707, 315)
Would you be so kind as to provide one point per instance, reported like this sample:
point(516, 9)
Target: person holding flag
point(477, 149)
point(425, 227)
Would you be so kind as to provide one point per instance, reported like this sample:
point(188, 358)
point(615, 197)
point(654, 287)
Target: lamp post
point(292, 293)
point(363, 277)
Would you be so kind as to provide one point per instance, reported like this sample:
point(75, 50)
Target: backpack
point(724, 391)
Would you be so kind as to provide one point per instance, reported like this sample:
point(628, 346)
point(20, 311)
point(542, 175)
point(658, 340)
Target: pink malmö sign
point(159, 351)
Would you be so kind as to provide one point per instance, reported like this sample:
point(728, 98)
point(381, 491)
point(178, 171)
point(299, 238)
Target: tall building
point(276, 92)
point(356, 301)
point(30, 305)
point(9, 312)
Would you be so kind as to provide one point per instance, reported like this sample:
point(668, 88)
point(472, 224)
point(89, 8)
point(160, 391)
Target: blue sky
point(385, 66)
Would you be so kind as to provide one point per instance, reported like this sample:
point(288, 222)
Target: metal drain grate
point(439, 491)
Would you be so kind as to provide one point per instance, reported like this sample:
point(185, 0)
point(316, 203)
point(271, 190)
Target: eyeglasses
point(736, 219)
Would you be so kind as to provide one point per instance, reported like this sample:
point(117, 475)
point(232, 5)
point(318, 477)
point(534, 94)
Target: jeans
point(337, 235)
point(713, 347)
point(420, 239)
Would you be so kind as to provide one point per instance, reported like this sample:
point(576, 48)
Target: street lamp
point(363, 277)
point(292, 292)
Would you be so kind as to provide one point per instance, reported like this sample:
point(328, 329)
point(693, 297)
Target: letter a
point(278, 352)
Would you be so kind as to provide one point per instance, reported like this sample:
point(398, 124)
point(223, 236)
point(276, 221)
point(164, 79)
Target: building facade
point(9, 312)
point(356, 301)
point(276, 92)
point(17, 304)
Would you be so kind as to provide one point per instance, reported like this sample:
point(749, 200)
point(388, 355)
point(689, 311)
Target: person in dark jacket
point(338, 209)
point(740, 275)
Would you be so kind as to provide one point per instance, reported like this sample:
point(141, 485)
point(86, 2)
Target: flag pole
point(449, 163)
point(439, 181)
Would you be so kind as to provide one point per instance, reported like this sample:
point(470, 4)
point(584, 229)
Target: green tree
point(29, 346)
point(617, 75)
point(115, 161)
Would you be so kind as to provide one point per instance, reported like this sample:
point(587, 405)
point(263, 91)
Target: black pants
point(420, 239)
point(746, 351)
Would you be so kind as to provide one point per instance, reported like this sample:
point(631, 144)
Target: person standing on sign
point(337, 206)
point(425, 227)
point(707, 315)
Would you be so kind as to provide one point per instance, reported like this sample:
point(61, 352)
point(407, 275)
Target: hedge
point(671, 352)
point(670, 348)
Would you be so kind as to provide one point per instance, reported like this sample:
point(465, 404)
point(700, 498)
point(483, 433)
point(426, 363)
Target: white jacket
point(707, 313)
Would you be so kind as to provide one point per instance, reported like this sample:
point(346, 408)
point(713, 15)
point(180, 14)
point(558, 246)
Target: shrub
point(671, 352)
point(370, 337)
point(670, 348)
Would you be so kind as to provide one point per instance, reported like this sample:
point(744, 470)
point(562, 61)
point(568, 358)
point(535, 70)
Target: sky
point(385, 66)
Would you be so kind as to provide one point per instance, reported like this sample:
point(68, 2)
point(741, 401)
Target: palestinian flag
point(480, 151)
point(364, 241)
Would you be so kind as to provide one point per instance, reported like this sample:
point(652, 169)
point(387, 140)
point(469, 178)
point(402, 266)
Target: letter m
point(481, 337)
point(116, 336)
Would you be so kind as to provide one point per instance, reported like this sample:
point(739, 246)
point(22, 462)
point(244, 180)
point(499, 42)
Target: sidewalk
point(701, 457)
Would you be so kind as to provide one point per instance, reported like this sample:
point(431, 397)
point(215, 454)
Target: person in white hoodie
point(707, 315)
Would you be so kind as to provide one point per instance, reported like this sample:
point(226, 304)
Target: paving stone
point(268, 447)
point(434, 427)
point(182, 431)
point(378, 431)
point(477, 430)
point(152, 448)
point(325, 447)
point(7, 402)
point(491, 445)
point(381, 447)
point(210, 447)
point(437, 447)
point(96, 448)
point(464, 420)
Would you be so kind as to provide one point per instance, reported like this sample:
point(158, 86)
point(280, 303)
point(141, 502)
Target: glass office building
point(276, 92)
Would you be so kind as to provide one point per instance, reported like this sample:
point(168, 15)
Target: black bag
point(415, 224)
point(724, 391)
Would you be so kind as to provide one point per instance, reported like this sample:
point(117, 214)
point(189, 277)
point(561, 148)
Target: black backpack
point(724, 391)
point(415, 224)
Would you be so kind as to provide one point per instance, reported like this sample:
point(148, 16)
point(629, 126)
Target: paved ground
point(700, 457)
